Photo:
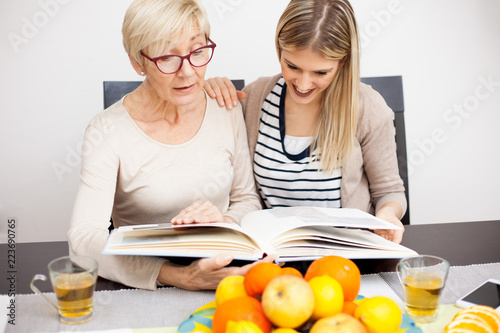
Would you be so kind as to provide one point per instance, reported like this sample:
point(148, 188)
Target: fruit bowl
point(200, 321)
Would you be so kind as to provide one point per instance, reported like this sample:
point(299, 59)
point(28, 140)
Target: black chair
point(391, 89)
point(114, 90)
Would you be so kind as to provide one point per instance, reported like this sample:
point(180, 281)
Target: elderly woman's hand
point(199, 212)
point(223, 90)
point(203, 274)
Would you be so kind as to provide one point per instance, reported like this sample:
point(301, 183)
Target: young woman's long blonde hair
point(329, 28)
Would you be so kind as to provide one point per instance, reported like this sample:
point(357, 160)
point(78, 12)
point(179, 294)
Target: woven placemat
point(130, 308)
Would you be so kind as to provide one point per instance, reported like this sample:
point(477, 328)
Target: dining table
point(472, 249)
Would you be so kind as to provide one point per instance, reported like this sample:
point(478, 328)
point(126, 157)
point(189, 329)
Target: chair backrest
point(114, 90)
point(391, 89)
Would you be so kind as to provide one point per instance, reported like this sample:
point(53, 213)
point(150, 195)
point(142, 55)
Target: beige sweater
point(137, 180)
point(370, 177)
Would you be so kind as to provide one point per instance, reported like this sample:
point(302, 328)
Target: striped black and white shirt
point(285, 172)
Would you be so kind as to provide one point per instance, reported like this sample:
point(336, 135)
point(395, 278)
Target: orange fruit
point(257, 277)
point(240, 308)
point(476, 325)
point(284, 330)
point(242, 326)
point(341, 269)
point(471, 316)
point(486, 313)
point(349, 308)
point(291, 271)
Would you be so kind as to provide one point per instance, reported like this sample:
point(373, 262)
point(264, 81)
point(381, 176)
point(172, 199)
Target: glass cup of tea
point(423, 278)
point(73, 280)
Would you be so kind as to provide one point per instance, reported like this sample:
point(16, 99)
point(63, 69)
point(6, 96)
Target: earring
point(142, 74)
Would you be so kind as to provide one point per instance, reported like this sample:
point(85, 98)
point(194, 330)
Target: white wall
point(55, 55)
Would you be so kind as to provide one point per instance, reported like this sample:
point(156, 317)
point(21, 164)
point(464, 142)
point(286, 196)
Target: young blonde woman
point(317, 135)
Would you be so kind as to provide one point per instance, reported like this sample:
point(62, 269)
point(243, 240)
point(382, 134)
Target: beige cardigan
point(370, 177)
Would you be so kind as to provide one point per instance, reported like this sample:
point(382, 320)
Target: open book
point(293, 233)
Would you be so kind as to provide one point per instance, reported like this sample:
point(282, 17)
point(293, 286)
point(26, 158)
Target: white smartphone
point(487, 293)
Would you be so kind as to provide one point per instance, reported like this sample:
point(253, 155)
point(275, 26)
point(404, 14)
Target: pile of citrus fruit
point(476, 319)
point(270, 298)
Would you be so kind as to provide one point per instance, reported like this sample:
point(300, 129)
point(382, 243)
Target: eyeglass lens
point(197, 58)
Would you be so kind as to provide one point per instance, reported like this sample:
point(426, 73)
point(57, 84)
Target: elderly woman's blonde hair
point(150, 24)
point(329, 28)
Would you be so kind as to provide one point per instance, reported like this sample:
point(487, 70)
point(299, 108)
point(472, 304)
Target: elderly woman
point(165, 152)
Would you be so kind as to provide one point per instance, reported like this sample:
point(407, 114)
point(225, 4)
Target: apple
point(288, 301)
point(339, 323)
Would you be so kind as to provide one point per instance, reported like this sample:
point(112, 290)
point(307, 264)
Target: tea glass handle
point(39, 293)
point(398, 272)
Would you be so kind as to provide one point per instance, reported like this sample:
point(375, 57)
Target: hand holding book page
point(293, 233)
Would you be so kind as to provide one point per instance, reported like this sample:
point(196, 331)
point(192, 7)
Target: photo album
point(293, 233)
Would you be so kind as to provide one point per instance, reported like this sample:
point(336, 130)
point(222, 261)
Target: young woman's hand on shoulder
point(224, 91)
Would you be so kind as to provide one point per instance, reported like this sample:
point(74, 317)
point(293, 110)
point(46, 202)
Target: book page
point(265, 225)
point(351, 237)
point(172, 227)
point(185, 242)
point(315, 242)
point(304, 254)
point(339, 217)
point(195, 228)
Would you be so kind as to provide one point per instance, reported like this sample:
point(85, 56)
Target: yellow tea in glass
point(74, 295)
point(423, 279)
point(422, 296)
point(73, 279)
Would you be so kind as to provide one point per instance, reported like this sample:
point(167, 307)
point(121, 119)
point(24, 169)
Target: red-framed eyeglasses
point(170, 64)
